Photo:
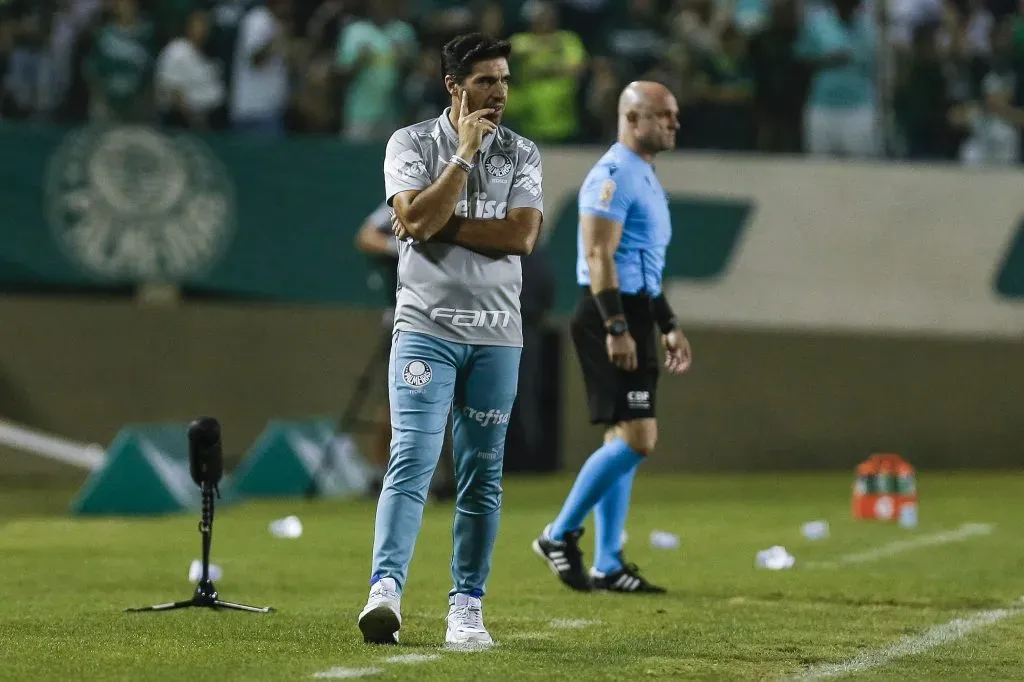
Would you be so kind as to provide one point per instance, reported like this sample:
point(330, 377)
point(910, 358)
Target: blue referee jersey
point(623, 187)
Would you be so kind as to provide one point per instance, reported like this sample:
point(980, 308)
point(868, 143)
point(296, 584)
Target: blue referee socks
point(609, 522)
point(603, 471)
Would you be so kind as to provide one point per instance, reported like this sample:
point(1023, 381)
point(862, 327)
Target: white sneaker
point(381, 618)
point(466, 623)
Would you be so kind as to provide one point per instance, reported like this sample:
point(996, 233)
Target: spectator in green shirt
point(547, 64)
point(374, 54)
point(119, 68)
point(922, 98)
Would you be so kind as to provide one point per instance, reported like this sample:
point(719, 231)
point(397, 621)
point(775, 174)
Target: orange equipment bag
point(885, 489)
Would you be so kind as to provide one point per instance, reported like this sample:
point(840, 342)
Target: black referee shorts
point(615, 395)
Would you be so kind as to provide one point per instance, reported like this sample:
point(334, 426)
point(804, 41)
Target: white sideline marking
point(956, 629)
point(411, 658)
point(51, 447)
point(469, 647)
point(528, 635)
point(967, 530)
point(338, 673)
point(573, 624)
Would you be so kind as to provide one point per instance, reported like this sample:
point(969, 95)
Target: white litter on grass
point(412, 657)
point(956, 629)
point(967, 530)
point(815, 530)
point(774, 558)
point(347, 673)
point(661, 539)
point(290, 527)
point(573, 624)
point(195, 571)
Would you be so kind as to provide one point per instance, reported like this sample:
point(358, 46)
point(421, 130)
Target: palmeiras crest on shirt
point(498, 165)
point(417, 373)
point(134, 204)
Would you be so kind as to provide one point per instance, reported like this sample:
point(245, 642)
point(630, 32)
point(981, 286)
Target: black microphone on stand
point(206, 466)
point(205, 456)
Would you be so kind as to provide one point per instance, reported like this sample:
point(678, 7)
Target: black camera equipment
point(206, 466)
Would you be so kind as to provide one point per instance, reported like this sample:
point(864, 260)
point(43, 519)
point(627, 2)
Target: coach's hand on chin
point(472, 126)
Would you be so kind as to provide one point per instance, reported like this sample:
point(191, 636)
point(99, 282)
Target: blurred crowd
point(917, 79)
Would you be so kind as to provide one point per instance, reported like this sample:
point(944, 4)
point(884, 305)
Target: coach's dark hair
point(461, 52)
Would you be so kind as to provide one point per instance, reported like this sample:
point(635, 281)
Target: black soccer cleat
point(565, 559)
point(626, 579)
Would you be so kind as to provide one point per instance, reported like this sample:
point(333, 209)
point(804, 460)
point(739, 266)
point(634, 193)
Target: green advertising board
point(248, 217)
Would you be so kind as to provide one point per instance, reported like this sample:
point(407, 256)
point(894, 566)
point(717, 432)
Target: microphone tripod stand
point(205, 595)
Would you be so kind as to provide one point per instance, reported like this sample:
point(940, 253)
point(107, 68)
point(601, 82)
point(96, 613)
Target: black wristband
point(663, 314)
point(609, 304)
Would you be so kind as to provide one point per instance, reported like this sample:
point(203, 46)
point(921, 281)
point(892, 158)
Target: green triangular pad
point(145, 472)
point(288, 454)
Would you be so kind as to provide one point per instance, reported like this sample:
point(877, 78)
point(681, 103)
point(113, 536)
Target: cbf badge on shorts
point(416, 373)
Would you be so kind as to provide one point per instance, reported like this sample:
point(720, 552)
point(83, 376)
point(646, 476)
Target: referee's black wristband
point(663, 314)
point(609, 304)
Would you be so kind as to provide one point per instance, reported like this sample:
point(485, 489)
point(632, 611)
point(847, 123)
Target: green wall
point(753, 401)
point(299, 319)
point(93, 209)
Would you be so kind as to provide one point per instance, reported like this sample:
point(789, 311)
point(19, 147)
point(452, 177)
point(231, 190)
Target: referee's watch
point(617, 327)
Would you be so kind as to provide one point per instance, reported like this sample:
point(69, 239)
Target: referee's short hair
point(461, 52)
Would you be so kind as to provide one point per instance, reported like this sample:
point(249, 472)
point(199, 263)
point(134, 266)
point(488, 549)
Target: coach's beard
point(495, 118)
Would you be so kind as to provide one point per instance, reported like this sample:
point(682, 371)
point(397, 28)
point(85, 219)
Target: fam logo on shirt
point(134, 203)
point(498, 165)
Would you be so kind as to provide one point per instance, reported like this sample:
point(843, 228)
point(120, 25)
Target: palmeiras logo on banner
point(131, 203)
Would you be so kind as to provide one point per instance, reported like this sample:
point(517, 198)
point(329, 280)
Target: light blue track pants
point(427, 377)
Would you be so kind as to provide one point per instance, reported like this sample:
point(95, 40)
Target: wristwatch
point(617, 327)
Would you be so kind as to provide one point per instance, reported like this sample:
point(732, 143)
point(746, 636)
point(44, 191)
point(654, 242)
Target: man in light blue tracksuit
point(466, 193)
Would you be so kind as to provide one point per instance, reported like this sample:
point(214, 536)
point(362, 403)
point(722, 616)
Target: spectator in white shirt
point(995, 124)
point(189, 85)
point(260, 88)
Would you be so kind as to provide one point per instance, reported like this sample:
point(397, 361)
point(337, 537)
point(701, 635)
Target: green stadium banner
point(145, 473)
point(227, 215)
point(289, 454)
point(705, 233)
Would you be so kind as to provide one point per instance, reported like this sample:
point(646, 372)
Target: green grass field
point(65, 582)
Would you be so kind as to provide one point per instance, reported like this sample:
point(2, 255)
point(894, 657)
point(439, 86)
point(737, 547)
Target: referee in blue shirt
point(624, 231)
